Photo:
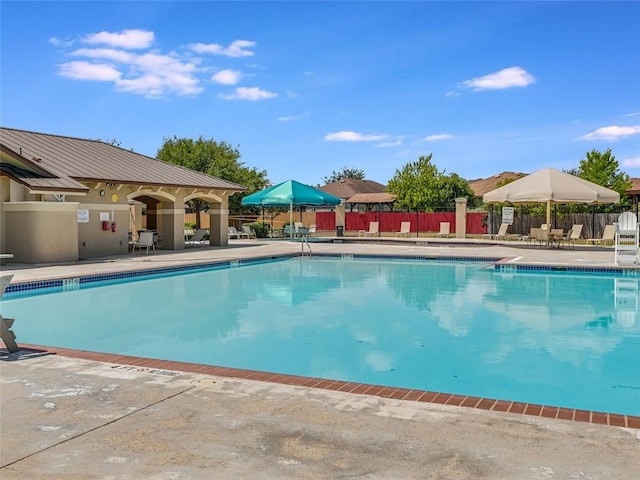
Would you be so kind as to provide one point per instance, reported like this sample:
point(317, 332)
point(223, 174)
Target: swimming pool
point(548, 337)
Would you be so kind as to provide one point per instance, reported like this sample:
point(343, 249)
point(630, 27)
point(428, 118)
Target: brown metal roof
point(383, 197)
point(348, 187)
point(635, 186)
point(484, 185)
point(68, 159)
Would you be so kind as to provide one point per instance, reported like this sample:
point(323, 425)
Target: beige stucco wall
point(41, 232)
point(93, 241)
point(38, 231)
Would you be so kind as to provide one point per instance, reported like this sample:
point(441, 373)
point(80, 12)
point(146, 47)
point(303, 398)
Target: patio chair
point(299, 229)
point(234, 233)
point(145, 240)
point(249, 231)
point(542, 236)
point(312, 230)
point(405, 229)
point(199, 238)
point(608, 236)
point(501, 231)
point(372, 232)
point(556, 237)
point(444, 229)
point(7, 335)
point(573, 235)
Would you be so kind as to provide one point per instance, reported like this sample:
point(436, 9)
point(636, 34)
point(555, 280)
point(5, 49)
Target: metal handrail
point(304, 240)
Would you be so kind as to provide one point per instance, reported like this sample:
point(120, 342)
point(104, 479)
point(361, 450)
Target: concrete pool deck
point(70, 417)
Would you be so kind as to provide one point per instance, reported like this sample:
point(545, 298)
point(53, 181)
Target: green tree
point(603, 169)
point(420, 185)
point(218, 159)
point(346, 172)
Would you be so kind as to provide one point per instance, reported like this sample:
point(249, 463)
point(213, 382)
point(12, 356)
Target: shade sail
point(551, 186)
point(290, 193)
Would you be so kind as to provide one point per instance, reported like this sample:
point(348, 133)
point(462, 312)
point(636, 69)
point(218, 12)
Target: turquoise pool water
point(546, 337)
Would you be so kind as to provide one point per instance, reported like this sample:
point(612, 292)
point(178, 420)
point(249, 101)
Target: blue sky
point(305, 88)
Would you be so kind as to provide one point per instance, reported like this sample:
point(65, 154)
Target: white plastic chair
point(444, 229)
point(144, 241)
point(405, 229)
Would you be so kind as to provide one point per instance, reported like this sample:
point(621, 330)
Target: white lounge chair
point(145, 240)
point(405, 229)
point(573, 235)
point(502, 234)
point(444, 229)
point(249, 231)
point(608, 236)
point(234, 233)
point(372, 232)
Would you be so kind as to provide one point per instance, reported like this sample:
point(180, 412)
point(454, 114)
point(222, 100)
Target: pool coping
point(149, 365)
point(500, 264)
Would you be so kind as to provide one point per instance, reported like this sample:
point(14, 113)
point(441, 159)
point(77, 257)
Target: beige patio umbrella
point(551, 186)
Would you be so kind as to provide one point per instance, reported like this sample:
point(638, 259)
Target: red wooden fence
point(390, 221)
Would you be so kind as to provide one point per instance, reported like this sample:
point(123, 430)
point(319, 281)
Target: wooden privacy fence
point(389, 222)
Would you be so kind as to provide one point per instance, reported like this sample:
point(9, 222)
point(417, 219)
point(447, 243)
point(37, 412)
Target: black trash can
point(339, 231)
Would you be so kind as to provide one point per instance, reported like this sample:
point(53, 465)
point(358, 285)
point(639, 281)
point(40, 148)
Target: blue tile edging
point(74, 282)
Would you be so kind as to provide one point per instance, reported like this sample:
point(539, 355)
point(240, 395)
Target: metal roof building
point(69, 189)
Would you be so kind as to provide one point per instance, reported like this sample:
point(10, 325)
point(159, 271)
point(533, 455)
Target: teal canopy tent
point(290, 193)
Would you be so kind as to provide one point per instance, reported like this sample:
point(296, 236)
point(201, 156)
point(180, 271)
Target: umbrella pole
point(548, 212)
point(291, 220)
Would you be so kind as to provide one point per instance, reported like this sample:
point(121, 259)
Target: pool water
point(546, 337)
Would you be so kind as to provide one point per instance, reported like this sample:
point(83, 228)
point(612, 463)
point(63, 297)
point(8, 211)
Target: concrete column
point(219, 221)
point(461, 217)
point(340, 216)
point(170, 226)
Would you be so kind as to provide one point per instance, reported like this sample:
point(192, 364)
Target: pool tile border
point(499, 264)
point(405, 394)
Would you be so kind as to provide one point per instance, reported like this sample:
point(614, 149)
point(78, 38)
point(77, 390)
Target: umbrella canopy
point(290, 193)
point(551, 186)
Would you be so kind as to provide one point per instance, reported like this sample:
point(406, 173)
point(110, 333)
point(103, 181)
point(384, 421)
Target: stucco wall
point(41, 232)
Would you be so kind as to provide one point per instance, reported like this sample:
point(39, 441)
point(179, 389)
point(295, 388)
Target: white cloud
point(89, 71)
point(104, 53)
point(632, 114)
point(249, 93)
point(129, 39)
point(438, 137)
point(346, 136)
point(110, 57)
point(395, 143)
point(237, 48)
point(293, 117)
point(452, 94)
point(633, 162)
point(227, 77)
point(506, 78)
point(59, 42)
point(613, 132)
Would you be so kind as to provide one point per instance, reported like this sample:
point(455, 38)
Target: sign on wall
point(507, 215)
point(83, 216)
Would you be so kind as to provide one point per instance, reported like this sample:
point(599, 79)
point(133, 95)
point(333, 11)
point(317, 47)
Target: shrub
point(190, 225)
